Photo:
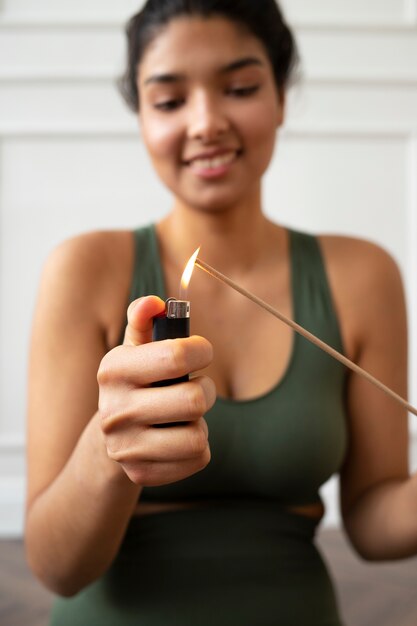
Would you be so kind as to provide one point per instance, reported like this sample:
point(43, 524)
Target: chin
point(215, 206)
point(215, 200)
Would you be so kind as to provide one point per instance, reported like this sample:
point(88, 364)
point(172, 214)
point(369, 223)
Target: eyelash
point(239, 92)
point(169, 105)
point(244, 92)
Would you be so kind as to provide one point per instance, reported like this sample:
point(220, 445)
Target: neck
point(233, 239)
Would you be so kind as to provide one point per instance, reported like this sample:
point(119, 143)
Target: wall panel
point(359, 55)
point(366, 106)
point(343, 184)
point(53, 189)
point(60, 49)
point(75, 7)
point(61, 104)
point(71, 159)
point(356, 11)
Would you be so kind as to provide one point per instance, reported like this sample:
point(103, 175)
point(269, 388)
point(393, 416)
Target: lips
point(213, 160)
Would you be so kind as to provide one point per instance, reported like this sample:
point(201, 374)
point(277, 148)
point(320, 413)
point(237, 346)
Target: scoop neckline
point(235, 402)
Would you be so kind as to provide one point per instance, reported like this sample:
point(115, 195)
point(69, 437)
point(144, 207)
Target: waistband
point(224, 529)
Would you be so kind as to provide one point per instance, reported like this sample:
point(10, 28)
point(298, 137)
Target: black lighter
point(173, 323)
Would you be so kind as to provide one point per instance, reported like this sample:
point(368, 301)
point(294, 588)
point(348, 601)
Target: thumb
point(140, 316)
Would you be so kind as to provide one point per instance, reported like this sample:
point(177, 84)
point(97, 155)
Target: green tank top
point(283, 445)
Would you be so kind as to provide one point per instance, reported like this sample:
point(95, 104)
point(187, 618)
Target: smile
point(217, 165)
point(215, 162)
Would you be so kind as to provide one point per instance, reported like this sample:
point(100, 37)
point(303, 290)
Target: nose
point(207, 118)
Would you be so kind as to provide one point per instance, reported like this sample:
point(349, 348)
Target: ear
point(282, 100)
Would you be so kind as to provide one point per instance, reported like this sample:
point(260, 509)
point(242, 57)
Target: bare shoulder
point(90, 275)
point(360, 265)
point(364, 279)
point(351, 252)
point(94, 252)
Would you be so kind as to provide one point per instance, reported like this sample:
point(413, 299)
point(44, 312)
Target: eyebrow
point(168, 78)
point(241, 63)
point(164, 78)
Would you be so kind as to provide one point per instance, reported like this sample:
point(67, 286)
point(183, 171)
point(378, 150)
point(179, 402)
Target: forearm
point(382, 524)
point(74, 528)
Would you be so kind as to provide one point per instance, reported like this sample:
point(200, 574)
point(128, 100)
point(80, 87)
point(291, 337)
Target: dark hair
point(262, 18)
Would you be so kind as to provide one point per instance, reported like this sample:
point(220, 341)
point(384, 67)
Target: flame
point(188, 272)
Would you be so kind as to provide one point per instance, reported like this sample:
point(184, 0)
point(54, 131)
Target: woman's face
point(209, 111)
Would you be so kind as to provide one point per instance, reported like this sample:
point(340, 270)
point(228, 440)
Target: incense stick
point(306, 334)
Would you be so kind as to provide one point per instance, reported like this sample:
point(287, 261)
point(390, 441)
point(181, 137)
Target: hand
point(130, 410)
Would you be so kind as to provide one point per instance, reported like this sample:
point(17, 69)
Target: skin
point(98, 447)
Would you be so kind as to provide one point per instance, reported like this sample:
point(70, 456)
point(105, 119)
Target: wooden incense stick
point(305, 333)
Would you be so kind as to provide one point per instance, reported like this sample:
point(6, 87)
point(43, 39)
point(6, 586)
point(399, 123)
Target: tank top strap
point(312, 298)
point(147, 278)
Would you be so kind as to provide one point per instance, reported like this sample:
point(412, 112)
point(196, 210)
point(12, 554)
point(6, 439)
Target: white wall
point(71, 160)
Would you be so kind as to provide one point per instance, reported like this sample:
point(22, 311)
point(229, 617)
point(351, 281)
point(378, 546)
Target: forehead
point(199, 44)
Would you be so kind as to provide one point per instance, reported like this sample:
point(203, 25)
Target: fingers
point(170, 445)
point(156, 456)
point(155, 474)
point(146, 407)
point(143, 365)
point(132, 412)
point(140, 316)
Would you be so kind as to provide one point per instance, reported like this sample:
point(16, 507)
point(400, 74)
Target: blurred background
point(71, 160)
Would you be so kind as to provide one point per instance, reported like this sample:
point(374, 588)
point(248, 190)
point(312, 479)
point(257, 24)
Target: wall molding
point(67, 75)
point(128, 130)
point(69, 21)
point(26, 20)
point(12, 443)
point(363, 78)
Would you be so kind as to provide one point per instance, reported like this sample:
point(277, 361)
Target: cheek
point(260, 136)
point(161, 138)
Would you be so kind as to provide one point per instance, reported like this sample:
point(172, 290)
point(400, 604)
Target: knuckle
point(204, 458)
point(103, 373)
point(210, 391)
point(141, 474)
point(130, 460)
point(108, 420)
point(105, 410)
point(116, 448)
point(135, 475)
point(209, 350)
point(119, 420)
point(203, 425)
point(107, 371)
point(197, 403)
point(178, 357)
point(198, 443)
point(207, 457)
point(114, 453)
point(110, 417)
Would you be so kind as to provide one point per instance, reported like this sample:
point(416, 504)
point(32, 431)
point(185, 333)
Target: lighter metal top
point(177, 309)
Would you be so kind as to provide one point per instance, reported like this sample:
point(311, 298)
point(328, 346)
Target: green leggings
point(246, 564)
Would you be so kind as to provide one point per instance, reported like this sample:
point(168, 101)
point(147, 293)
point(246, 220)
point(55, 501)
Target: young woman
point(211, 521)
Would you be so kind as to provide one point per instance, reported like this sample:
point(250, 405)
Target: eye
point(169, 105)
point(243, 92)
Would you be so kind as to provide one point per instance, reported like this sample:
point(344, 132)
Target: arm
point(379, 499)
point(72, 484)
point(84, 479)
